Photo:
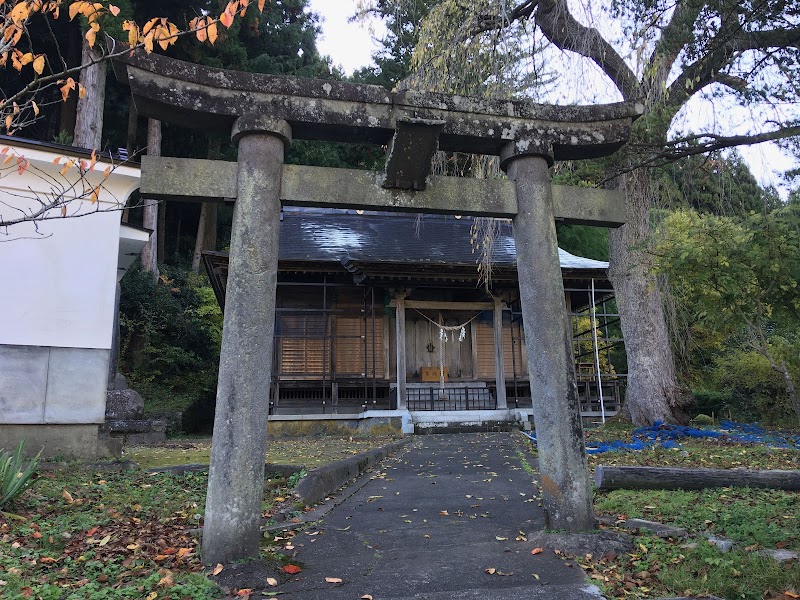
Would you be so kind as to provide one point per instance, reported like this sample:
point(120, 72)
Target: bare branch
point(700, 144)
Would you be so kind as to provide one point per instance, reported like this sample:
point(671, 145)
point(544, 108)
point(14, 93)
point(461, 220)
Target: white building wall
point(57, 287)
point(59, 290)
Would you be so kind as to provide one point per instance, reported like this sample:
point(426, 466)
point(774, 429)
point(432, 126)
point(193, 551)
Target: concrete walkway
point(429, 524)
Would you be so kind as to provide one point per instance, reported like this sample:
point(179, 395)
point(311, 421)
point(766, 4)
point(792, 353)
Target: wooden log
point(669, 478)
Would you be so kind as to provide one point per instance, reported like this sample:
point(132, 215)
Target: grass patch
point(81, 534)
point(307, 452)
point(111, 535)
point(754, 519)
point(660, 568)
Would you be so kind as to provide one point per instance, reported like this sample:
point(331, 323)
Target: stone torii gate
point(263, 113)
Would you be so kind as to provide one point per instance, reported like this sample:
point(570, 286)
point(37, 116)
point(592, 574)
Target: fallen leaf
point(333, 580)
point(444, 513)
point(218, 569)
point(244, 592)
point(271, 581)
point(105, 540)
point(536, 551)
point(67, 496)
point(491, 571)
point(365, 597)
point(292, 569)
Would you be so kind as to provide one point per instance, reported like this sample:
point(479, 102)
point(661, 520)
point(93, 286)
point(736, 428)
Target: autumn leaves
point(15, 17)
point(205, 28)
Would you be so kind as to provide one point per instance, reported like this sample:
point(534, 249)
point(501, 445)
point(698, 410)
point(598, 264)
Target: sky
point(351, 45)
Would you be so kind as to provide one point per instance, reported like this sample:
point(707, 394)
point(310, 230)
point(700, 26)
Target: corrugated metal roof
point(397, 238)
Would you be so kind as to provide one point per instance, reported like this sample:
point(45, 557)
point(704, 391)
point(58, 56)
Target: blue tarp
point(667, 435)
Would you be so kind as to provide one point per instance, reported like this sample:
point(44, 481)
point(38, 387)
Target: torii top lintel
point(197, 96)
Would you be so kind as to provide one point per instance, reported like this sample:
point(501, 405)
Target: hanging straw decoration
point(443, 337)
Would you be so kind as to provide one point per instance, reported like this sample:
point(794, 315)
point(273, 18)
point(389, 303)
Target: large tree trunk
point(66, 121)
point(150, 218)
point(652, 392)
point(89, 118)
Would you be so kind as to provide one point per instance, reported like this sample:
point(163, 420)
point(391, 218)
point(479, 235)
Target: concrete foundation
point(45, 385)
point(60, 441)
point(390, 421)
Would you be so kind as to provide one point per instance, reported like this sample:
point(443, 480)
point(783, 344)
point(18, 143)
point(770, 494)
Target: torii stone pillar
point(236, 475)
point(566, 491)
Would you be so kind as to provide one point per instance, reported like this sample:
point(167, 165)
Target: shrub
point(702, 419)
point(13, 478)
point(170, 334)
point(756, 392)
point(711, 402)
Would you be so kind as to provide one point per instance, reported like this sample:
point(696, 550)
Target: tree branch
point(703, 144)
point(724, 47)
point(675, 35)
point(563, 30)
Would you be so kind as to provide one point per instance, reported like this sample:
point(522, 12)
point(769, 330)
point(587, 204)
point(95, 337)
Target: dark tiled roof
point(397, 238)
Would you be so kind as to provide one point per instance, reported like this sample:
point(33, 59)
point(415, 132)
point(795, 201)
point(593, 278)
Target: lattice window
point(302, 349)
point(358, 351)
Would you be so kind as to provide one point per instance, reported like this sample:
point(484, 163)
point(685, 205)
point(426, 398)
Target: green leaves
point(738, 277)
point(14, 479)
point(733, 272)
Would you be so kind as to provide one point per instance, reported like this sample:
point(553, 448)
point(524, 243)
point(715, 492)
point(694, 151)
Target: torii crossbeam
point(263, 113)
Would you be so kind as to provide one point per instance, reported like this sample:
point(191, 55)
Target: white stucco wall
point(59, 276)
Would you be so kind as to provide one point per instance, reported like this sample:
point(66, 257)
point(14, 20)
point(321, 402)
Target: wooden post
point(149, 253)
point(499, 358)
point(473, 335)
point(566, 491)
point(400, 321)
point(236, 473)
point(387, 353)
